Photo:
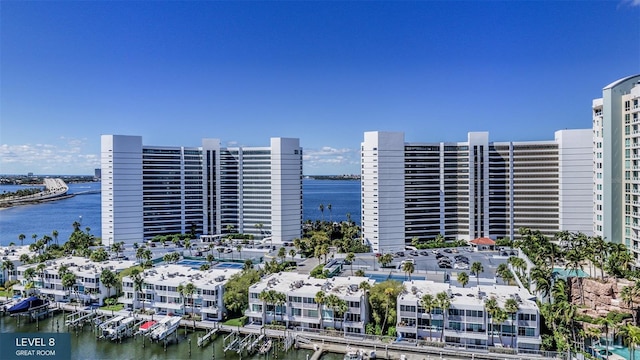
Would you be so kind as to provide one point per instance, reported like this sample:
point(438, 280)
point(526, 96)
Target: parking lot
point(426, 261)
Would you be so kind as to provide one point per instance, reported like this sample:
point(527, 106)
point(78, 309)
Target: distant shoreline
point(333, 177)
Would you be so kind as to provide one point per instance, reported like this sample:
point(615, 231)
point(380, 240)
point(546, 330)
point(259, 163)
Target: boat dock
point(79, 318)
point(202, 341)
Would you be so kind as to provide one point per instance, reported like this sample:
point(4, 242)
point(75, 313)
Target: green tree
point(320, 300)
point(631, 336)
point(511, 307)
point(476, 269)
point(69, 281)
point(21, 238)
point(385, 259)
point(444, 302)
point(428, 303)
point(322, 211)
point(236, 292)
point(350, 258)
point(7, 268)
point(189, 291)
point(463, 279)
point(491, 307)
point(408, 268)
point(108, 279)
point(99, 255)
point(137, 277)
point(187, 245)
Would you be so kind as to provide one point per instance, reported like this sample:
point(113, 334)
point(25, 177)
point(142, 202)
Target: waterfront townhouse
point(209, 190)
point(473, 189)
point(88, 288)
point(302, 302)
point(159, 290)
point(467, 321)
point(10, 260)
point(616, 164)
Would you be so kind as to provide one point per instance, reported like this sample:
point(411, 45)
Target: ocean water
point(41, 219)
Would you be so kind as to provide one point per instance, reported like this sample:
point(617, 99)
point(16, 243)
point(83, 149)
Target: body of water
point(84, 344)
point(42, 219)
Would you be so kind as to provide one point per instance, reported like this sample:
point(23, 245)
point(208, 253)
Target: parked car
point(461, 266)
point(424, 253)
point(400, 253)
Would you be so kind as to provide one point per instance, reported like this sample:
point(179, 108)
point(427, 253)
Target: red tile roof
point(483, 241)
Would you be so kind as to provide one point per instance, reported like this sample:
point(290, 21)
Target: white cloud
point(329, 160)
point(68, 157)
point(631, 2)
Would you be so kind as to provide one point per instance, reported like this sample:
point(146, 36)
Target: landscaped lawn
point(236, 322)
point(116, 307)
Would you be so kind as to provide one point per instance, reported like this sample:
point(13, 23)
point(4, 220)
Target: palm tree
point(239, 250)
point(329, 208)
point(138, 284)
point(511, 307)
point(189, 291)
point(69, 281)
point(476, 269)
point(280, 299)
point(491, 306)
point(292, 253)
point(319, 299)
point(8, 266)
point(350, 259)
point(502, 270)
point(463, 279)
point(282, 254)
point(389, 291)
point(55, 236)
point(627, 295)
point(428, 303)
point(385, 259)
point(518, 264)
point(542, 278)
point(180, 290)
point(443, 301)
point(21, 237)
point(631, 336)
point(108, 279)
point(408, 267)
point(34, 237)
point(500, 317)
point(187, 245)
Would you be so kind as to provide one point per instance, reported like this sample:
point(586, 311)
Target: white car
point(461, 266)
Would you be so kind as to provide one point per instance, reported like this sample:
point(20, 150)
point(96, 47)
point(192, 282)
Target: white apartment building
point(160, 291)
point(466, 322)
point(11, 254)
point(472, 189)
point(158, 190)
point(301, 311)
point(616, 163)
point(88, 287)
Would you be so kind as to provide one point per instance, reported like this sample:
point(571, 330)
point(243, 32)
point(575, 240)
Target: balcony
point(405, 328)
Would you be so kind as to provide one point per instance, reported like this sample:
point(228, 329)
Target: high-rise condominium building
point(158, 190)
point(472, 189)
point(616, 163)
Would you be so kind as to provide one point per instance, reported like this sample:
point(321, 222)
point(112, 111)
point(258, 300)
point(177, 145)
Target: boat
point(165, 327)
point(119, 328)
point(147, 326)
point(26, 305)
point(266, 346)
point(353, 355)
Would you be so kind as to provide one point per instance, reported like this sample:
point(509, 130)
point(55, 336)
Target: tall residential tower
point(477, 188)
point(616, 163)
point(157, 190)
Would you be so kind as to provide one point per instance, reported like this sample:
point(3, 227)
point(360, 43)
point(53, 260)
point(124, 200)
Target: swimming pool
point(195, 264)
point(384, 277)
point(564, 273)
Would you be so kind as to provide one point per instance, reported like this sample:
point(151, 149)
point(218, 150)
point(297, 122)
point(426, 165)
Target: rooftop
point(174, 275)
point(305, 285)
point(473, 296)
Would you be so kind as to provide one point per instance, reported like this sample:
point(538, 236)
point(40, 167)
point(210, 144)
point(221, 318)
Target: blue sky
point(325, 72)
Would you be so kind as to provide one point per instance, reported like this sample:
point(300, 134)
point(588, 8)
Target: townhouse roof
point(175, 275)
point(294, 284)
